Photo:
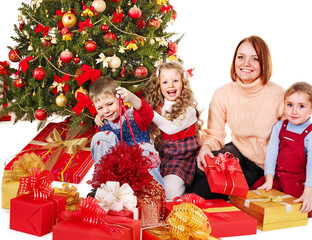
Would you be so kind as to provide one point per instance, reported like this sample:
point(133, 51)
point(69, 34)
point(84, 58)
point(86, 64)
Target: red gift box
point(36, 217)
point(65, 164)
point(225, 182)
point(225, 219)
point(73, 229)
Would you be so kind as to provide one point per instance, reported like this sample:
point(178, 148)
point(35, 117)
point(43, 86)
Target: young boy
point(288, 162)
point(104, 93)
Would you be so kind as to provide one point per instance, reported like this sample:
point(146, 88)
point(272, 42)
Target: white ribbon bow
point(113, 197)
point(103, 59)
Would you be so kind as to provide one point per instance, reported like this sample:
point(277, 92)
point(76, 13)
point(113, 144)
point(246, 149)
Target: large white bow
point(113, 197)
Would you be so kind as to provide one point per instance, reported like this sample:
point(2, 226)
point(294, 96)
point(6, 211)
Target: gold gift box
point(9, 189)
point(273, 209)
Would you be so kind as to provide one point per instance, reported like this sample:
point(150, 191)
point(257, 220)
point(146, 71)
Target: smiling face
point(298, 108)
point(107, 107)
point(170, 84)
point(247, 65)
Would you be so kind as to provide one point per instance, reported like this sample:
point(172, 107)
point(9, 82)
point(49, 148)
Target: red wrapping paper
point(81, 231)
point(225, 183)
point(36, 218)
point(224, 218)
point(69, 167)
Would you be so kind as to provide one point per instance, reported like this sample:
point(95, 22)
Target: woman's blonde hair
point(155, 99)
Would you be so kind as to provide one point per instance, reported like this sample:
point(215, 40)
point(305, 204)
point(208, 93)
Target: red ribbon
point(85, 7)
point(89, 73)
point(127, 42)
point(83, 101)
point(166, 9)
point(227, 163)
point(118, 17)
point(43, 29)
point(23, 65)
point(37, 186)
point(193, 198)
point(61, 13)
point(57, 79)
point(85, 23)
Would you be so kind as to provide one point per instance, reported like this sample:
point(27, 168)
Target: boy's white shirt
point(172, 127)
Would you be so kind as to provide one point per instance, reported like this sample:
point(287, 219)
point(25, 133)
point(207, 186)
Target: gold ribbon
point(22, 166)
point(187, 220)
point(70, 145)
point(70, 193)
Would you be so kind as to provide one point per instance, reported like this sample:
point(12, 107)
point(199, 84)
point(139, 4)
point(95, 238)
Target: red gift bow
point(37, 186)
point(166, 9)
point(193, 198)
point(23, 65)
point(118, 17)
point(227, 163)
point(57, 79)
point(87, 23)
point(83, 101)
point(89, 73)
point(43, 29)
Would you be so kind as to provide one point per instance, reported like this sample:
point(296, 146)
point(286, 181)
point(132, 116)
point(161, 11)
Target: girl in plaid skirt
point(177, 126)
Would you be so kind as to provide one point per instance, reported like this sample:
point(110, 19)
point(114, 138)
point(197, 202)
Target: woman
point(250, 105)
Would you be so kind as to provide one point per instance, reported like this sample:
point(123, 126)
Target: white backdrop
point(212, 31)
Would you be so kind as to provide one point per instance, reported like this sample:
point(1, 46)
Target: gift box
point(225, 219)
point(80, 231)
point(272, 209)
point(225, 175)
point(8, 188)
point(66, 154)
point(36, 217)
point(156, 233)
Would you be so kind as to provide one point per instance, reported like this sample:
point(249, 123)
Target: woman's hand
point(130, 97)
point(98, 120)
point(267, 186)
point(306, 199)
point(201, 162)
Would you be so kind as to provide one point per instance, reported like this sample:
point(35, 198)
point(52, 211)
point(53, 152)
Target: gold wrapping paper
point(71, 195)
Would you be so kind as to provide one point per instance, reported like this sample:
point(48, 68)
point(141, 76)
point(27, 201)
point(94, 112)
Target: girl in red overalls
point(288, 163)
point(176, 116)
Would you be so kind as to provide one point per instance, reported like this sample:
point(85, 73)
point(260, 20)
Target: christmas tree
point(64, 45)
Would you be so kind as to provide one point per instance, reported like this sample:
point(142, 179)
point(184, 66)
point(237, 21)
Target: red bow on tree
point(164, 8)
point(118, 17)
point(83, 101)
point(37, 186)
point(85, 23)
point(226, 163)
point(89, 73)
point(43, 29)
point(59, 84)
point(23, 65)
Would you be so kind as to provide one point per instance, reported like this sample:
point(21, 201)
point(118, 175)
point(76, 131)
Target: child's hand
point(267, 186)
point(201, 162)
point(306, 199)
point(98, 120)
point(128, 96)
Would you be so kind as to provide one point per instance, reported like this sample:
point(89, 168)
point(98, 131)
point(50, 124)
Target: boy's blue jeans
point(105, 140)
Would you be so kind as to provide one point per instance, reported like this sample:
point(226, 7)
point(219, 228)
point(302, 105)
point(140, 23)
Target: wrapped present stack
point(273, 209)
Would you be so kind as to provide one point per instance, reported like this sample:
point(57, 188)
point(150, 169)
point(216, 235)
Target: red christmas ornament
point(154, 23)
point(104, 28)
point(19, 83)
point(141, 72)
point(90, 45)
point(140, 23)
point(66, 56)
point(41, 114)
point(109, 36)
point(14, 55)
point(76, 59)
point(134, 12)
point(172, 48)
point(39, 73)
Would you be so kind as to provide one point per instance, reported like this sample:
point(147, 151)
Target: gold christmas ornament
point(99, 5)
point(69, 19)
point(61, 100)
point(114, 62)
point(82, 90)
point(30, 47)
